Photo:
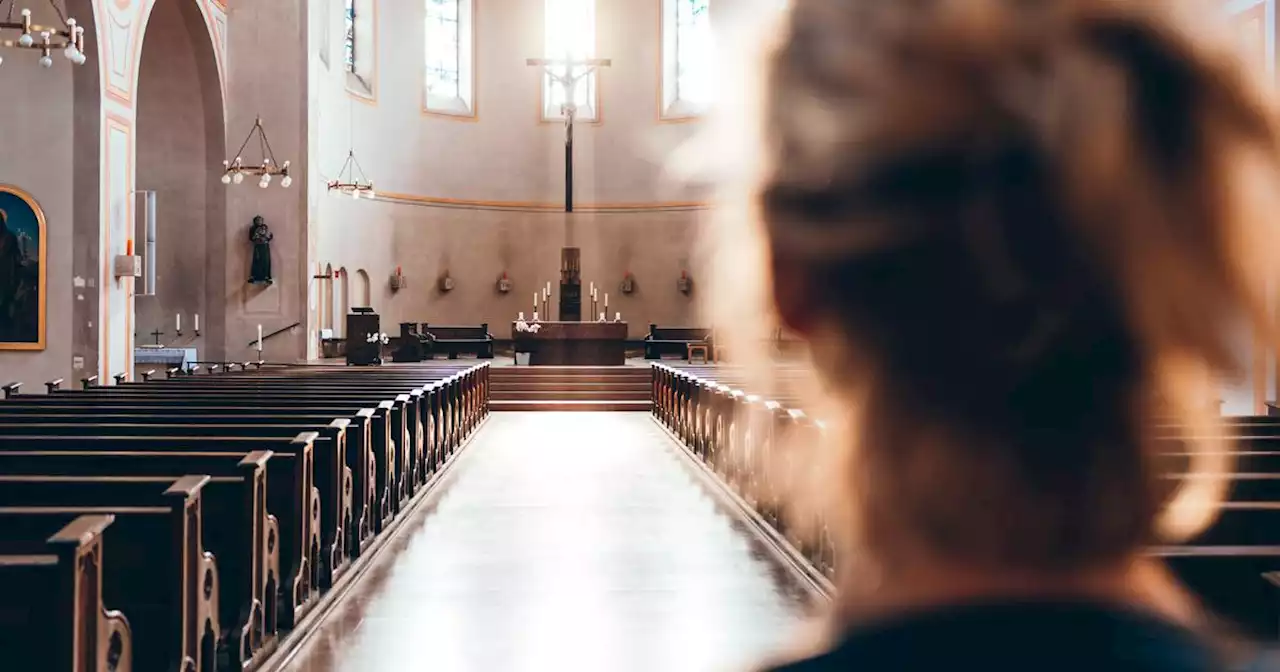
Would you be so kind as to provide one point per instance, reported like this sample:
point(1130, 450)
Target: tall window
point(448, 33)
point(360, 48)
point(688, 52)
point(570, 33)
point(349, 42)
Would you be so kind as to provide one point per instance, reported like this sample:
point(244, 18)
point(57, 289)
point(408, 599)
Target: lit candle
point(548, 288)
point(197, 321)
point(259, 340)
point(177, 323)
point(535, 301)
point(593, 290)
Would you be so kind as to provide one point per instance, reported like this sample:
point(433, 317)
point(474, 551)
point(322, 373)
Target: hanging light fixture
point(352, 180)
point(69, 39)
point(234, 170)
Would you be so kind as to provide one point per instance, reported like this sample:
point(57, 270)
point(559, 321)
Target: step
point(543, 372)
point(562, 395)
point(570, 406)
point(569, 386)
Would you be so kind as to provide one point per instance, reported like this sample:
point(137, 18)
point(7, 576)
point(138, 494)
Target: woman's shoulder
point(1040, 636)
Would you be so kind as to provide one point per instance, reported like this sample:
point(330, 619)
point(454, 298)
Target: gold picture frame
point(22, 216)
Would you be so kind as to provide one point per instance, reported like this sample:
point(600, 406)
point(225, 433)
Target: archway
point(364, 288)
point(180, 142)
point(326, 299)
point(342, 304)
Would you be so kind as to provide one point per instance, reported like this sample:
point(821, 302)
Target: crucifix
point(567, 73)
point(156, 335)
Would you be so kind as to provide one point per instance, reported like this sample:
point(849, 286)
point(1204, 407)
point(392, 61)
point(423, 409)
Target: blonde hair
point(1018, 232)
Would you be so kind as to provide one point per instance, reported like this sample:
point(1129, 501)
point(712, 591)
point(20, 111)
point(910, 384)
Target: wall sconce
point(685, 283)
point(628, 284)
point(446, 282)
point(504, 283)
point(398, 281)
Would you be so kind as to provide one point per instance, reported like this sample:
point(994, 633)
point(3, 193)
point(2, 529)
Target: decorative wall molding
point(534, 206)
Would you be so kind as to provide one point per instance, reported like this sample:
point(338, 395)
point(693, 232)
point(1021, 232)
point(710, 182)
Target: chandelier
point(351, 179)
point(235, 170)
point(69, 39)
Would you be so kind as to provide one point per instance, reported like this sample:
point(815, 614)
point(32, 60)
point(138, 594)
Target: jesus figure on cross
point(567, 73)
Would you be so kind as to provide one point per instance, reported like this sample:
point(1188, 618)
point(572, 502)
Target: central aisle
point(566, 541)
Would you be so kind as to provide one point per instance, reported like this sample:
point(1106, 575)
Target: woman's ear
point(793, 295)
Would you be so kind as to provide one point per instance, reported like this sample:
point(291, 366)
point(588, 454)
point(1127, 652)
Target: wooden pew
point(291, 495)
point(237, 528)
point(331, 475)
point(158, 571)
point(455, 340)
point(673, 340)
point(53, 612)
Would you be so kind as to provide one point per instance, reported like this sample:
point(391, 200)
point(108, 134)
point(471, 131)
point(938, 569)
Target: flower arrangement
point(377, 338)
point(521, 325)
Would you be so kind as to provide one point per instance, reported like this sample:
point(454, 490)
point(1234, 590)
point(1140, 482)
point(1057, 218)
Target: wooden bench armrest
point(119, 378)
point(53, 384)
point(91, 381)
point(171, 373)
point(11, 389)
point(146, 375)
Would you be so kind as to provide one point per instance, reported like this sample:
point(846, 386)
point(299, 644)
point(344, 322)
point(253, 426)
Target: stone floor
point(565, 542)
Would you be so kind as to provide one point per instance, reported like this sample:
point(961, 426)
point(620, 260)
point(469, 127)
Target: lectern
point(360, 352)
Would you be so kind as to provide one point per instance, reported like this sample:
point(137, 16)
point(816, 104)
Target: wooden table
point(573, 343)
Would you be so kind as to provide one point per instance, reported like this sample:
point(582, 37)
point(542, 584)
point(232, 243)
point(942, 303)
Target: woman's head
point(1013, 232)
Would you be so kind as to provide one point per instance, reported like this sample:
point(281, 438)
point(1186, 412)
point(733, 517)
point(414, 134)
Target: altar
point(573, 343)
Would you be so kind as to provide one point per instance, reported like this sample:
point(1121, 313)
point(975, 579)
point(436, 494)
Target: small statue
point(261, 237)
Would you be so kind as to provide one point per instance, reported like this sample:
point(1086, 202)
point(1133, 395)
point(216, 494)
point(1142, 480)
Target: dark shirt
point(1040, 636)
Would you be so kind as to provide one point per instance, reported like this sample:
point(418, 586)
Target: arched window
point(360, 48)
point(364, 289)
point(688, 51)
point(569, 29)
point(449, 36)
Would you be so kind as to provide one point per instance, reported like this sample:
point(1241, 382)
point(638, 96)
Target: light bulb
point(80, 58)
point(226, 179)
point(46, 62)
point(26, 40)
point(1, 59)
point(264, 182)
point(70, 52)
point(355, 195)
point(237, 178)
point(266, 177)
point(286, 181)
point(26, 12)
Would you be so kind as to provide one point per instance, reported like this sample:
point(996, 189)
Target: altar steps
point(570, 388)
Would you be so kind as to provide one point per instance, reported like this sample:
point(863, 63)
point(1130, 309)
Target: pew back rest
point(457, 332)
point(686, 334)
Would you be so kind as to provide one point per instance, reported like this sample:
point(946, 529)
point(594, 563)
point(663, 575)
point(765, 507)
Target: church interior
point(347, 335)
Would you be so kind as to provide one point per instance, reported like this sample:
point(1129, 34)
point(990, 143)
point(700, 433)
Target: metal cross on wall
point(567, 73)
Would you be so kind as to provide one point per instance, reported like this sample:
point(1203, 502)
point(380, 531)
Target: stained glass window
point(349, 42)
point(693, 51)
point(570, 34)
point(443, 48)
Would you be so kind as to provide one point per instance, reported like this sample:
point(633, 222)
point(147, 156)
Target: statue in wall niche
point(261, 237)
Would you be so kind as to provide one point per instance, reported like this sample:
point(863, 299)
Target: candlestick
point(535, 316)
point(602, 317)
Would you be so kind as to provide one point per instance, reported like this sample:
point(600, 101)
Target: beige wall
point(37, 139)
point(506, 154)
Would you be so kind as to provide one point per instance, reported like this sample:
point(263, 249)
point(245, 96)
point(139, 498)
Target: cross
point(562, 73)
point(156, 335)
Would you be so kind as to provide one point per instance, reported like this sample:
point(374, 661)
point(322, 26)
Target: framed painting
point(23, 270)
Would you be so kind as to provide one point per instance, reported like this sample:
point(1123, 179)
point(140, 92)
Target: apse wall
point(38, 152)
point(477, 196)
